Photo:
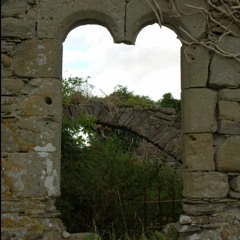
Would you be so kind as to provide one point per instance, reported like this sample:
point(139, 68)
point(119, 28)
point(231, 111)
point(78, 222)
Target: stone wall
point(32, 33)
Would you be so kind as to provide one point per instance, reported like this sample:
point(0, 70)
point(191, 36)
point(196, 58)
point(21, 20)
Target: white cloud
point(151, 67)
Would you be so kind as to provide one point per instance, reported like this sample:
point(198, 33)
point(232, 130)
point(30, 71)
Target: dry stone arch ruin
point(31, 60)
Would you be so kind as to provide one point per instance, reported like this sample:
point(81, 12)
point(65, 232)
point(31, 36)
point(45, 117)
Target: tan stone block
point(228, 127)
point(229, 110)
point(198, 110)
point(193, 22)
point(229, 44)
point(229, 94)
point(235, 183)
point(55, 23)
point(198, 153)
point(33, 174)
point(11, 86)
point(229, 76)
point(38, 58)
point(8, 141)
point(44, 98)
point(228, 155)
point(195, 220)
point(205, 185)
point(199, 209)
point(6, 61)
point(38, 131)
point(194, 66)
point(17, 28)
point(138, 12)
point(13, 8)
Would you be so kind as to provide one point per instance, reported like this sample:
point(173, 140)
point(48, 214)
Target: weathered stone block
point(228, 155)
point(37, 131)
point(38, 58)
point(8, 141)
point(6, 61)
point(195, 220)
point(17, 28)
point(199, 209)
point(138, 12)
point(11, 86)
point(194, 23)
point(9, 106)
point(233, 194)
point(198, 153)
point(27, 206)
point(228, 215)
point(202, 235)
point(56, 24)
point(229, 94)
point(231, 231)
point(13, 8)
point(44, 98)
point(229, 44)
point(228, 127)
point(205, 185)
point(235, 183)
point(199, 106)
point(229, 76)
point(229, 111)
point(33, 174)
point(194, 66)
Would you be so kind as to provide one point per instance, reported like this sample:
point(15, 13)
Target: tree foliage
point(102, 186)
point(169, 101)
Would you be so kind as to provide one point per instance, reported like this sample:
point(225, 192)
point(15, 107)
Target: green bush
point(102, 187)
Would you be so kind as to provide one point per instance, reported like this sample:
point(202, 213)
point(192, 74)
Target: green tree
point(169, 101)
point(102, 186)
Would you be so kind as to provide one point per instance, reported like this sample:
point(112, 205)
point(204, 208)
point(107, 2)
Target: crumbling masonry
point(31, 58)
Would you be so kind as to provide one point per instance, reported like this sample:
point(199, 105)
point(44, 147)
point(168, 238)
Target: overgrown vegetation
point(102, 186)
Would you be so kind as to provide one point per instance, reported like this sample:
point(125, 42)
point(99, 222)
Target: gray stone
point(233, 194)
point(207, 208)
point(18, 28)
point(195, 220)
point(227, 156)
point(199, 107)
point(8, 142)
point(35, 58)
point(235, 183)
point(229, 94)
point(205, 185)
point(13, 8)
point(198, 152)
point(11, 86)
point(42, 100)
point(229, 111)
point(229, 44)
point(32, 35)
point(33, 174)
point(194, 65)
point(194, 26)
point(228, 127)
point(229, 76)
point(55, 24)
point(205, 235)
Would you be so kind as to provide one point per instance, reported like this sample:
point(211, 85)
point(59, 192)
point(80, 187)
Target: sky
point(150, 68)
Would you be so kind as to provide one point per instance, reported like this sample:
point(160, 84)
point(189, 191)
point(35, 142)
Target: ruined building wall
point(32, 33)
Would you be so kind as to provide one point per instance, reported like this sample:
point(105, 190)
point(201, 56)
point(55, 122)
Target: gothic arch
point(32, 36)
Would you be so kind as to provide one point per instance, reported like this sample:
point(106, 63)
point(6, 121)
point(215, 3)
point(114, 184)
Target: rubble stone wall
point(32, 33)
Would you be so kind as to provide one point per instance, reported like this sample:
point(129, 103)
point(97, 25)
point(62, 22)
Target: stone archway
point(32, 36)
